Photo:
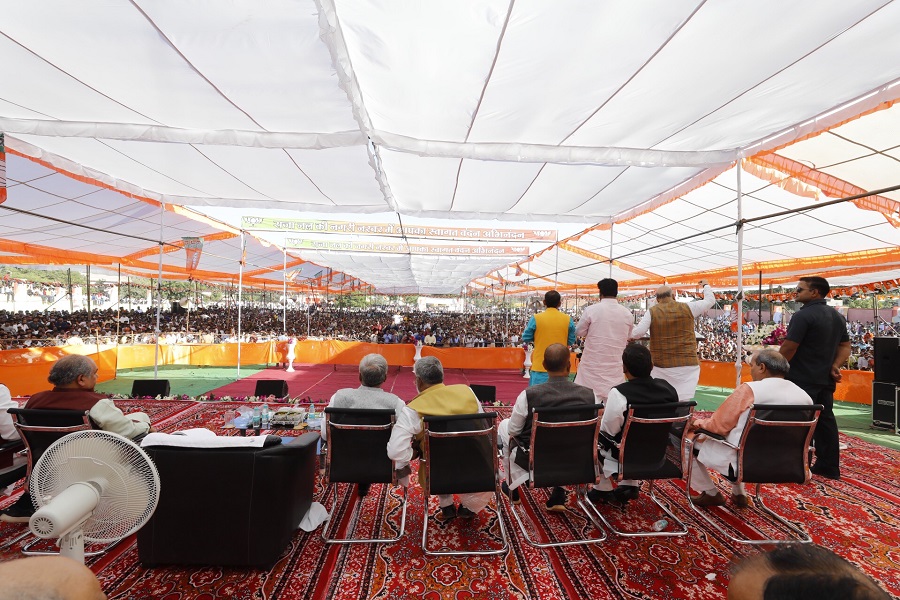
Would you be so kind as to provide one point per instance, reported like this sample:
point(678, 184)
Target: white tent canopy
point(625, 119)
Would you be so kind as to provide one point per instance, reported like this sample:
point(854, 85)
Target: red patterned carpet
point(857, 517)
point(321, 381)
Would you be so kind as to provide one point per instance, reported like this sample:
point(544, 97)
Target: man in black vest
point(515, 433)
point(639, 388)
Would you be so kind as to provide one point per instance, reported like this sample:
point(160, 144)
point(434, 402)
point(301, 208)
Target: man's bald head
point(556, 359)
point(663, 291)
point(48, 578)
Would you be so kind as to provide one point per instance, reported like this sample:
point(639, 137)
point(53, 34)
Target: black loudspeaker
point(149, 387)
point(177, 308)
point(884, 405)
point(486, 394)
point(887, 360)
point(271, 387)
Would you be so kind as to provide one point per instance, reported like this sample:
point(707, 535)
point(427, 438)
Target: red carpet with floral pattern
point(857, 517)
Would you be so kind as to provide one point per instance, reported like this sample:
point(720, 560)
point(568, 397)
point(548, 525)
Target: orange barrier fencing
point(478, 358)
point(855, 386)
point(25, 371)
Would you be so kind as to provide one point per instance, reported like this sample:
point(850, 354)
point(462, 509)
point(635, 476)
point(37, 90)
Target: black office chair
point(39, 429)
point(651, 449)
point(563, 452)
point(13, 462)
point(459, 455)
point(774, 448)
point(357, 453)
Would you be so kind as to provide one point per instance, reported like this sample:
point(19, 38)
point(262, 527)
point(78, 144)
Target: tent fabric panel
point(268, 63)
point(129, 63)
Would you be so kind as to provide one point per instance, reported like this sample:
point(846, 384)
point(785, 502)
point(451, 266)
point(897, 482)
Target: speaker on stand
point(886, 384)
point(141, 388)
point(271, 387)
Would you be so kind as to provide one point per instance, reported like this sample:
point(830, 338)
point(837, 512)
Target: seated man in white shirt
point(767, 369)
point(373, 371)
point(639, 388)
point(557, 391)
point(435, 399)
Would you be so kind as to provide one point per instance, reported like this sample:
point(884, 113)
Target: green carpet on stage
point(183, 379)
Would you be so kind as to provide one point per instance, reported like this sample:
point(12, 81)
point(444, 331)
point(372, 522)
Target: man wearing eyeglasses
point(817, 345)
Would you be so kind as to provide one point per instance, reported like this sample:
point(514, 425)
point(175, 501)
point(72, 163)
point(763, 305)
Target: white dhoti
point(683, 379)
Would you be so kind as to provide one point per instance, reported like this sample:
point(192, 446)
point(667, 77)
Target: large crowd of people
point(383, 325)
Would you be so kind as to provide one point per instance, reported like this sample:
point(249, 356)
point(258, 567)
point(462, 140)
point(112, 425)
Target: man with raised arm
point(673, 342)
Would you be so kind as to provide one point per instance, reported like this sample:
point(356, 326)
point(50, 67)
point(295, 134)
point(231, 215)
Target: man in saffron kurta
point(543, 329)
point(435, 399)
point(769, 386)
point(673, 342)
point(605, 327)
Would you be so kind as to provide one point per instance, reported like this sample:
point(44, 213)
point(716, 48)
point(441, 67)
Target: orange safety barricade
point(478, 358)
point(855, 386)
point(25, 371)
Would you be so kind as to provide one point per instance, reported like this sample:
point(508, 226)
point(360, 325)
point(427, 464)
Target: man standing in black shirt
point(817, 345)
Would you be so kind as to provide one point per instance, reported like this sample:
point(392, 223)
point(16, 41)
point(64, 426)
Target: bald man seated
point(48, 578)
point(514, 433)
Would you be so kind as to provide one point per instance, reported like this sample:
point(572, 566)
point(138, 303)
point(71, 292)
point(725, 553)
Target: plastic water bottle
point(257, 418)
point(660, 525)
point(265, 416)
point(312, 412)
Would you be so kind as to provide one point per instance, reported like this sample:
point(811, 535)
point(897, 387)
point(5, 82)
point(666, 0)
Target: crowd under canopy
point(427, 148)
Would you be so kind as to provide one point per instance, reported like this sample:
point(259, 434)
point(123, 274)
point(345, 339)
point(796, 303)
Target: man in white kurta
point(767, 369)
point(605, 327)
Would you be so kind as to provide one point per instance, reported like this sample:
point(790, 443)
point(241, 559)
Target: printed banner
point(193, 247)
point(404, 248)
point(388, 229)
point(2, 170)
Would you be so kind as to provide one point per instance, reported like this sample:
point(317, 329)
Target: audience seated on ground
point(515, 433)
point(767, 369)
point(435, 399)
point(373, 371)
point(639, 388)
point(801, 572)
point(48, 578)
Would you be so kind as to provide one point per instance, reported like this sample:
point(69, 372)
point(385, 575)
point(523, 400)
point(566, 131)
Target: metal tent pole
point(162, 212)
point(738, 362)
point(240, 301)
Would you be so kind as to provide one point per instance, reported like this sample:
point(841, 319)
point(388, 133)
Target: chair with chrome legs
point(651, 449)
point(39, 428)
point(774, 448)
point(459, 455)
point(563, 452)
point(357, 453)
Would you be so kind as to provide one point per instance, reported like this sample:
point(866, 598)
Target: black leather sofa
point(229, 506)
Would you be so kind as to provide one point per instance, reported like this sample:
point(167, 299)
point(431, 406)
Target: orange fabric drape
point(855, 386)
point(25, 371)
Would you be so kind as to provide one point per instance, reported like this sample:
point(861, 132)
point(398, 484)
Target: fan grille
point(130, 494)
